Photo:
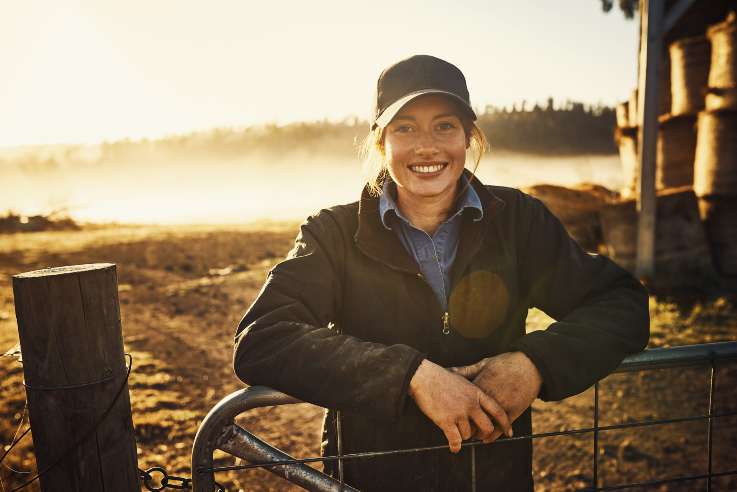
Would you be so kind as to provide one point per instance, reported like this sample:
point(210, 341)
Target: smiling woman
point(404, 313)
point(425, 148)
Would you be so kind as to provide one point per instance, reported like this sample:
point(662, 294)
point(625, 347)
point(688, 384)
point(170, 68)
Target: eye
point(403, 129)
point(446, 126)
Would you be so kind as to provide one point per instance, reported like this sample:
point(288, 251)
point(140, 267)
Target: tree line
point(569, 128)
point(573, 128)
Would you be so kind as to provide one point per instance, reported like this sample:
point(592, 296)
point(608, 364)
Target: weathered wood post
point(74, 366)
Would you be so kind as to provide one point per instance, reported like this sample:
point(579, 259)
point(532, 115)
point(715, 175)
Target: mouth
point(428, 168)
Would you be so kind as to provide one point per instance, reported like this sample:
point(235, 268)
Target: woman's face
point(425, 146)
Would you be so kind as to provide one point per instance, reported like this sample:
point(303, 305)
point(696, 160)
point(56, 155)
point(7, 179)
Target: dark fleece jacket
point(346, 318)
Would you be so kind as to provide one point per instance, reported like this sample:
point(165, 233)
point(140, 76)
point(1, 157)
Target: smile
point(427, 168)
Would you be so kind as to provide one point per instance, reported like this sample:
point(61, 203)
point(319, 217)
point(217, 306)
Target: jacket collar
point(467, 199)
point(381, 244)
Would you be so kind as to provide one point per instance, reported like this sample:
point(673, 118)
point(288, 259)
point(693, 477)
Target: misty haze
point(199, 190)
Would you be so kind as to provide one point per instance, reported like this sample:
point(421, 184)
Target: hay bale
point(719, 214)
point(577, 208)
point(690, 59)
point(626, 139)
point(721, 98)
point(676, 148)
point(623, 114)
point(715, 163)
point(632, 107)
point(681, 251)
point(722, 92)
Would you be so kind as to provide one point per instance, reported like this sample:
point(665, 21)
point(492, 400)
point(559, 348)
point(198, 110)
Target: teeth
point(427, 169)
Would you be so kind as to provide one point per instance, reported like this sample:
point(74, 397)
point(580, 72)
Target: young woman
point(404, 312)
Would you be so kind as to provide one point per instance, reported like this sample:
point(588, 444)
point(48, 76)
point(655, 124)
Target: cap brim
point(391, 111)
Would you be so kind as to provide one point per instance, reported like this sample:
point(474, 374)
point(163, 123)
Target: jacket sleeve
point(287, 339)
point(601, 310)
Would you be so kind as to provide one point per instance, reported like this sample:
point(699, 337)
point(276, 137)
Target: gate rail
point(219, 431)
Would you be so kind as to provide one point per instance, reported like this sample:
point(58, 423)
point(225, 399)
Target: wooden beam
point(651, 42)
point(675, 13)
point(75, 371)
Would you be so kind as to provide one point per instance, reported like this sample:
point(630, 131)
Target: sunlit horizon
point(88, 72)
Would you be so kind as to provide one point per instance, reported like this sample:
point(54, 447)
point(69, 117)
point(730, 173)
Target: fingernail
point(510, 433)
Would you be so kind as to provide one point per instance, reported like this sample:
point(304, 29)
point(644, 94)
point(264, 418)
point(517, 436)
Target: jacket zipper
point(445, 318)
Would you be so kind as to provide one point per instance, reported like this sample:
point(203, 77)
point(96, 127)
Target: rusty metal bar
point(241, 443)
point(218, 431)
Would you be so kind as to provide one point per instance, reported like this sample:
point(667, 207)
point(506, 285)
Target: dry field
point(183, 290)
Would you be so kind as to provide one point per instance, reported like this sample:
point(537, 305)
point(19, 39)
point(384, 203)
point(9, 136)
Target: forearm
point(590, 341)
point(322, 367)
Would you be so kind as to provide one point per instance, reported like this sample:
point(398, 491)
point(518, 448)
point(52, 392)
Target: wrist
point(532, 370)
point(416, 380)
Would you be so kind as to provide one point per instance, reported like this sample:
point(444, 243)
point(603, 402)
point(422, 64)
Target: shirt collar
point(468, 200)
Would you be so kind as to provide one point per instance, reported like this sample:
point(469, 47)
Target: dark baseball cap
point(414, 77)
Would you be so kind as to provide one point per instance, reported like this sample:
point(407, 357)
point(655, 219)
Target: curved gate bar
point(218, 431)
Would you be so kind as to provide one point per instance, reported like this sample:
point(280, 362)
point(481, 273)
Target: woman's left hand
point(510, 378)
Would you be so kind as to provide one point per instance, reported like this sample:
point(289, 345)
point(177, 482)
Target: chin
point(429, 190)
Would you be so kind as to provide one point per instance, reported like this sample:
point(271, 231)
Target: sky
point(84, 72)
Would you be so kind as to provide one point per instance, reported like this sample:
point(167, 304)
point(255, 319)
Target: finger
point(454, 438)
point(464, 427)
point(465, 371)
point(470, 371)
point(491, 407)
point(484, 426)
point(494, 436)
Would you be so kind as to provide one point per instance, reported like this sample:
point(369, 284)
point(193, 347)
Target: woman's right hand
point(452, 403)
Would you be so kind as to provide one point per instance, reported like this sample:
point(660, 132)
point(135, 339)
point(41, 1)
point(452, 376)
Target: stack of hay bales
point(676, 144)
point(681, 251)
point(696, 170)
point(715, 166)
point(626, 139)
point(627, 128)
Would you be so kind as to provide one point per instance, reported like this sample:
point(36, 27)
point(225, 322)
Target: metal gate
point(219, 430)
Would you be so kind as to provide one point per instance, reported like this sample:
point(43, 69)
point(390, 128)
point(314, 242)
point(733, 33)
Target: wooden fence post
point(74, 366)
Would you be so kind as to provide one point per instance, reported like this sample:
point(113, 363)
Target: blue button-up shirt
point(434, 254)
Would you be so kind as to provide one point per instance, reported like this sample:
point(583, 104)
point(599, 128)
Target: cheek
point(394, 153)
point(458, 150)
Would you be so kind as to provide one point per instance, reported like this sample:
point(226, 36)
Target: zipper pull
point(446, 323)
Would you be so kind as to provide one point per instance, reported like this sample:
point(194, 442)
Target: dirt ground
point(183, 290)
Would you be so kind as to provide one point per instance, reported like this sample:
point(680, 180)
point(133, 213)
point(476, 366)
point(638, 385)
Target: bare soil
point(183, 290)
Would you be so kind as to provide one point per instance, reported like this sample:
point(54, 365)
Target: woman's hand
point(511, 378)
point(452, 403)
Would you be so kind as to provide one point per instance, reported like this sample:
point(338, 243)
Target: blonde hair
point(373, 157)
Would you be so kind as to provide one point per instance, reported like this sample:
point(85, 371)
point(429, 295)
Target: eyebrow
point(412, 118)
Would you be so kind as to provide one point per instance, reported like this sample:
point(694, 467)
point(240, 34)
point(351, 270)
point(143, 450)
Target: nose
point(426, 144)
